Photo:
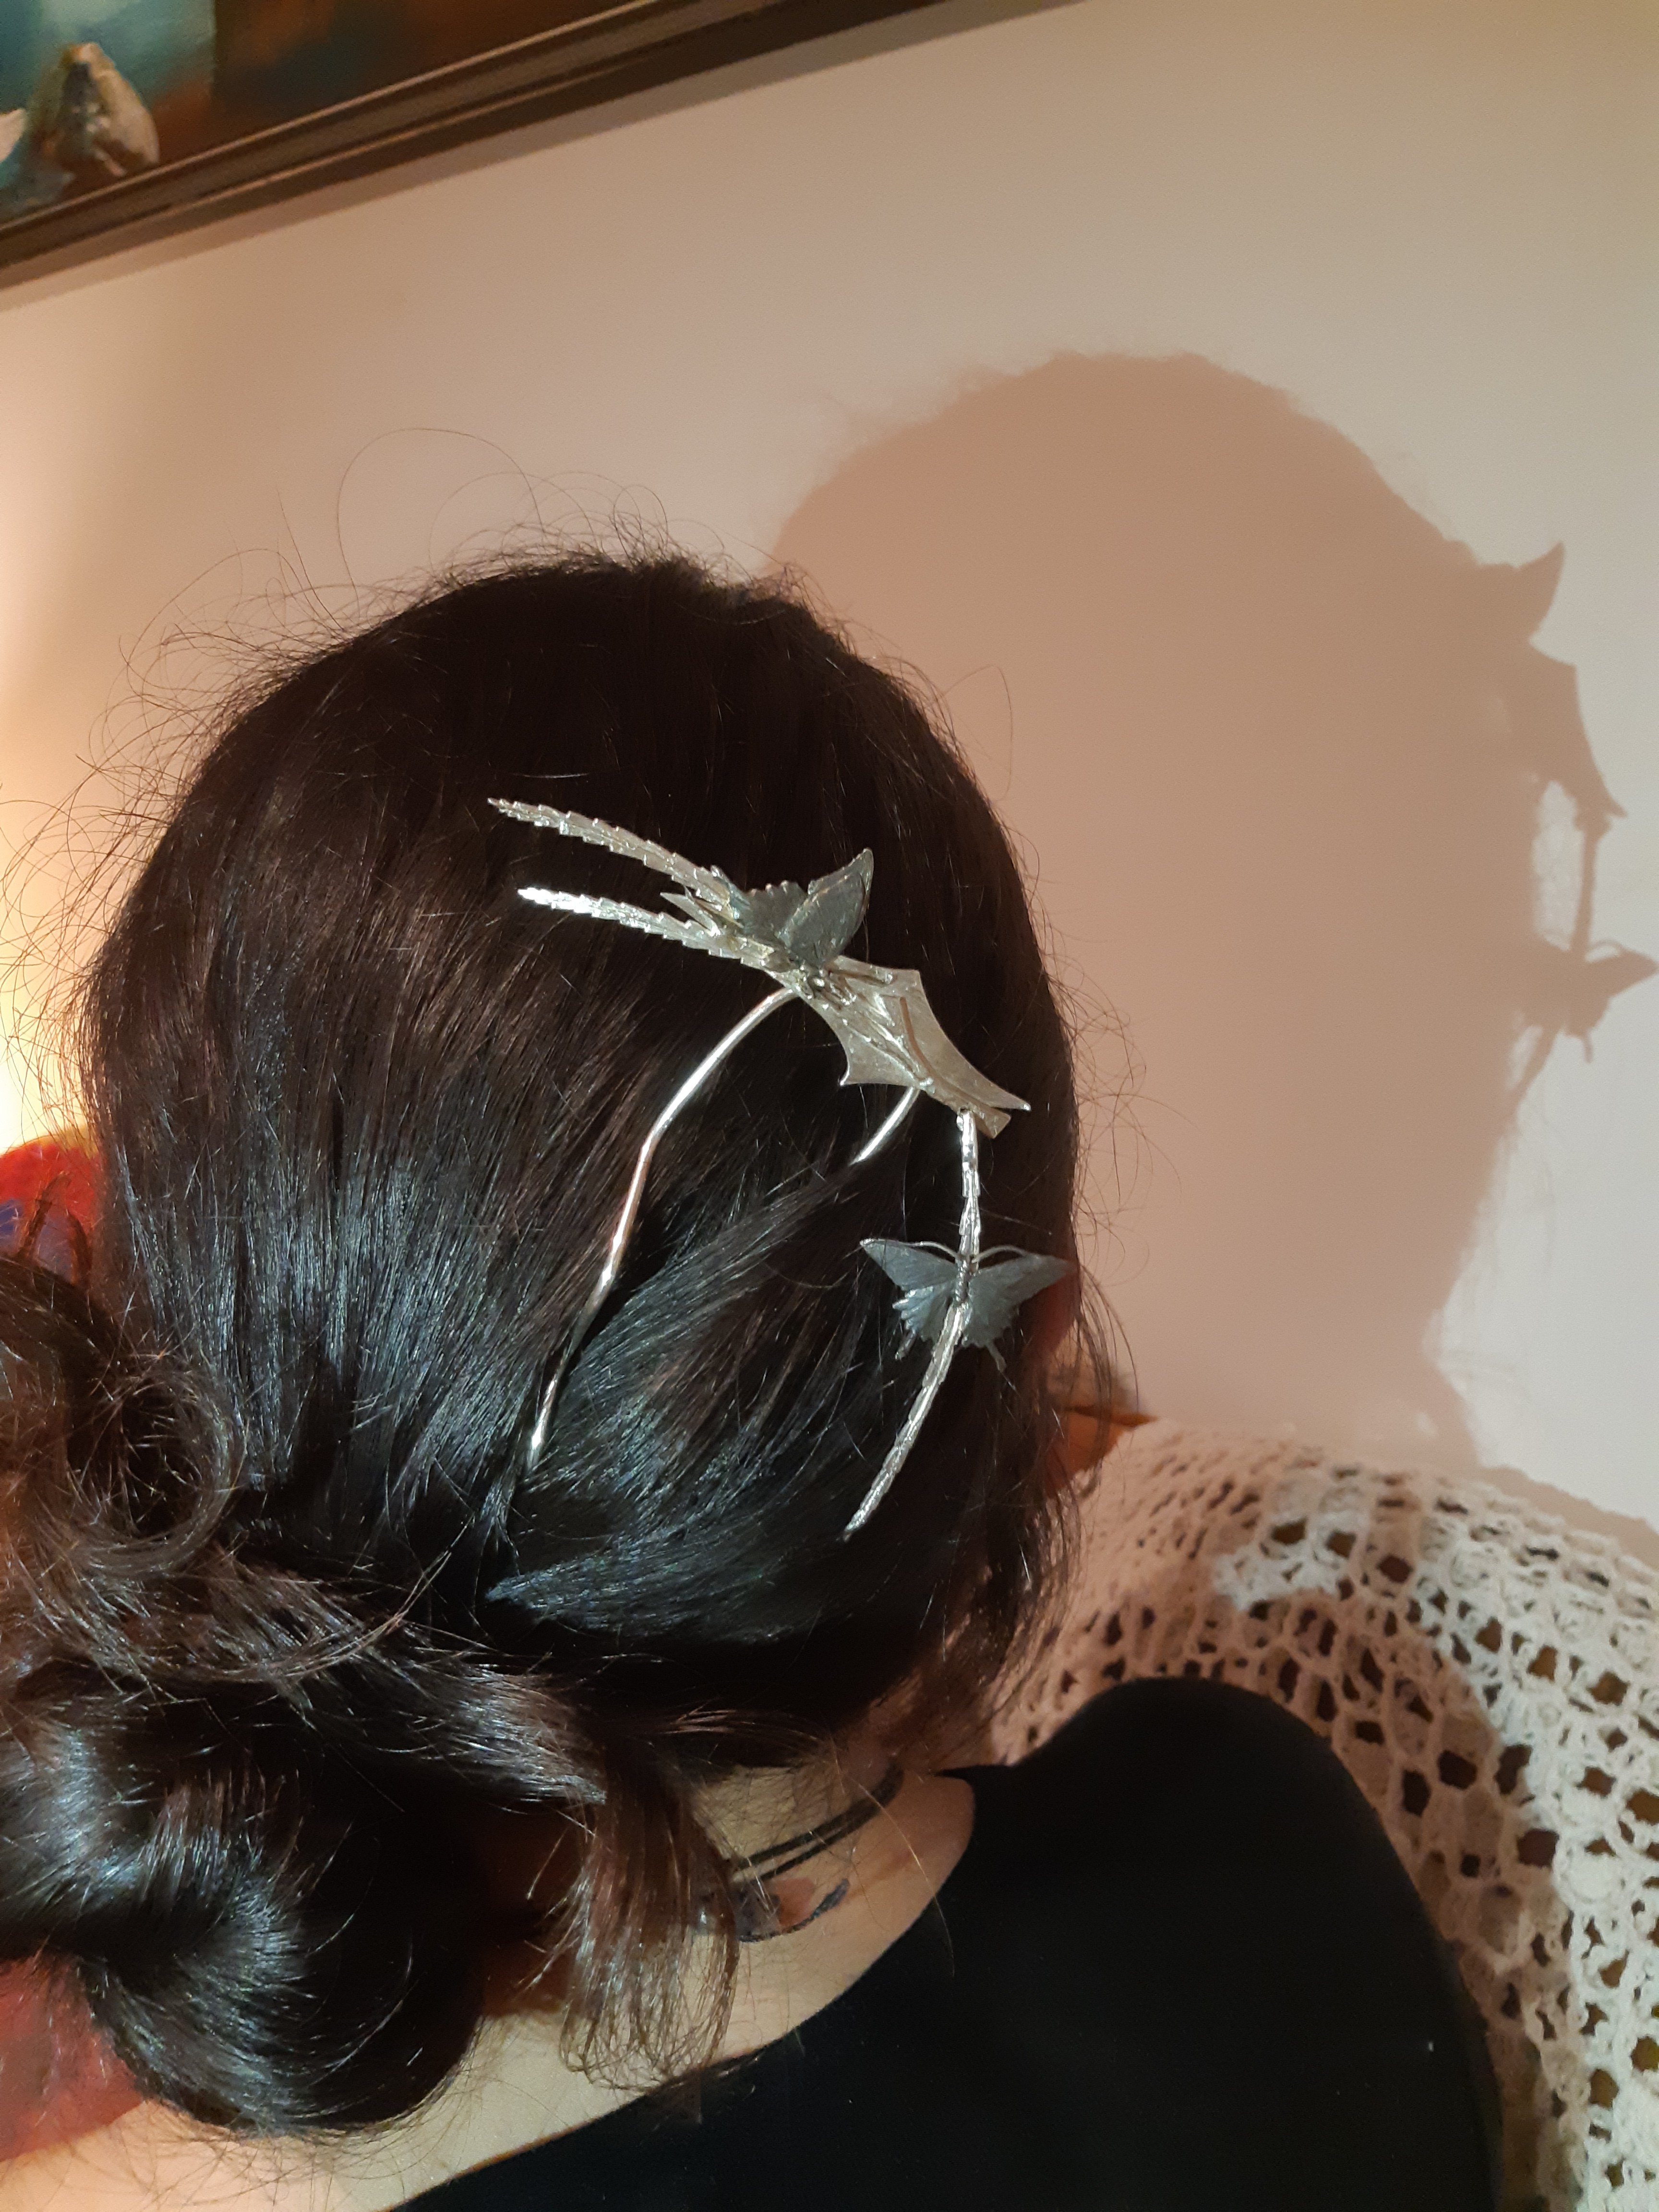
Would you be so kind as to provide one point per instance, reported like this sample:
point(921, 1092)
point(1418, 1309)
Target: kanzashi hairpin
point(889, 1035)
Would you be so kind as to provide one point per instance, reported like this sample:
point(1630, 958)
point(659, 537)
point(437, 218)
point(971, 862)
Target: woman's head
point(290, 1603)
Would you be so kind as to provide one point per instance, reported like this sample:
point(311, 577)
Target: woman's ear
point(1054, 1317)
point(1088, 1427)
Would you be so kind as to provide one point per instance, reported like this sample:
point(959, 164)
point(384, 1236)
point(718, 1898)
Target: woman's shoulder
point(1161, 1762)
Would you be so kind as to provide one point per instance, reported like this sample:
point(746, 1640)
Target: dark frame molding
point(597, 57)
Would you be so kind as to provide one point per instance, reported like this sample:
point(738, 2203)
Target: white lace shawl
point(1490, 1678)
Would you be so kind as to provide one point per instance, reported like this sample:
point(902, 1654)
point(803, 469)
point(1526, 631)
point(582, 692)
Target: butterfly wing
point(1001, 1287)
point(912, 1267)
point(832, 909)
point(926, 1279)
point(766, 914)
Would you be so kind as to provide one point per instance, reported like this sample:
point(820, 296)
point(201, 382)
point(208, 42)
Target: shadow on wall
point(1281, 748)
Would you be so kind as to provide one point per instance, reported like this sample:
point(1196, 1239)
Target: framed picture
point(125, 119)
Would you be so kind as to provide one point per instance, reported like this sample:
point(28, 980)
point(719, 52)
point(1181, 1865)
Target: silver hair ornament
point(925, 1274)
point(889, 1035)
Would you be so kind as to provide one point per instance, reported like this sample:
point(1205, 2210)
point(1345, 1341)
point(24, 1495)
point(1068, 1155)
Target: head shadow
point(1280, 749)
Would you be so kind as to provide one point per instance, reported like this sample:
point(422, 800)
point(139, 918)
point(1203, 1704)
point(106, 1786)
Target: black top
point(1179, 1968)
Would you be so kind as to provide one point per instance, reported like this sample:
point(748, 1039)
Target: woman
point(545, 1439)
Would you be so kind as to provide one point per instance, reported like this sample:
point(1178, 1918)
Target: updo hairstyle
point(284, 1614)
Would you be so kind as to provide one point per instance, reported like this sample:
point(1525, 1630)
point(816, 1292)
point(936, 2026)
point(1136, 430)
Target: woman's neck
point(516, 2088)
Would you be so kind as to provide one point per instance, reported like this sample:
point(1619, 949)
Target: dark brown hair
point(283, 1611)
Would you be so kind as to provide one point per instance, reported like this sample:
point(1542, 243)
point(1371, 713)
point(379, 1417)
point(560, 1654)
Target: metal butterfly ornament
point(889, 1034)
point(926, 1275)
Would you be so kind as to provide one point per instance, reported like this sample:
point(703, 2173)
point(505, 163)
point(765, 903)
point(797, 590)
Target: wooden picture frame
point(578, 56)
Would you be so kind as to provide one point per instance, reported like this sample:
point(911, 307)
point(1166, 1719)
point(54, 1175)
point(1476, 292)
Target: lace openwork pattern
point(1490, 1678)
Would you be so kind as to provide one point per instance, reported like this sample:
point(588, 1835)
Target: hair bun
point(271, 1937)
point(270, 1942)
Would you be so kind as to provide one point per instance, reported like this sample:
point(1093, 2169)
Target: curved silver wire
point(949, 1336)
point(888, 1128)
point(630, 1212)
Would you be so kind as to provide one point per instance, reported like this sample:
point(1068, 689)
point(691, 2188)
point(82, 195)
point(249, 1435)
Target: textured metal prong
point(967, 1254)
point(888, 1128)
point(631, 917)
point(630, 1212)
point(645, 850)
